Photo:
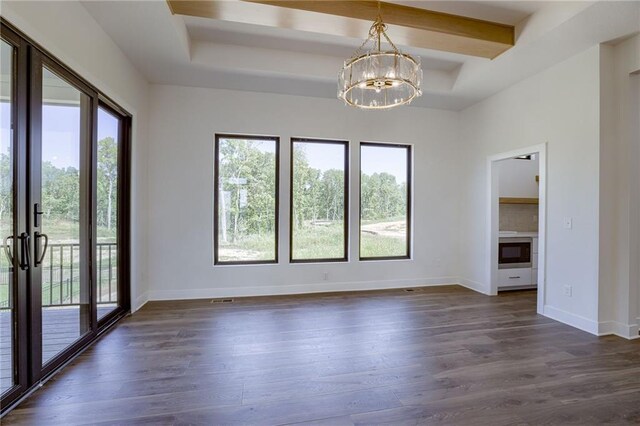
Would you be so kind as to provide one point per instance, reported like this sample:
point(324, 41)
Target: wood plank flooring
point(439, 355)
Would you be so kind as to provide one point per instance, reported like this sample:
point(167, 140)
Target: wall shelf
point(512, 200)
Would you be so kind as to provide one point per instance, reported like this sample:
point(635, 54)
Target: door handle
point(37, 236)
point(7, 250)
point(36, 215)
point(25, 256)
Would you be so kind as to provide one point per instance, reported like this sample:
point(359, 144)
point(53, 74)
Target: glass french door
point(111, 130)
point(63, 211)
point(60, 208)
point(7, 289)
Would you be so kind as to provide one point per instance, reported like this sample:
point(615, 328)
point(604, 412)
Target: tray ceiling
point(205, 52)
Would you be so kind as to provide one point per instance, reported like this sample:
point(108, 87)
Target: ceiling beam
point(408, 26)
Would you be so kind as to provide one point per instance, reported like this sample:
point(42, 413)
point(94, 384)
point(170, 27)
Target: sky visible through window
point(390, 160)
point(57, 120)
point(61, 147)
point(61, 131)
point(323, 156)
point(377, 159)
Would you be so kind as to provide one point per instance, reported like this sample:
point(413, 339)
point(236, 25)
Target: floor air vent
point(221, 300)
point(409, 289)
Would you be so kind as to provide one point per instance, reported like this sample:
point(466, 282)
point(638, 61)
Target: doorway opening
point(517, 221)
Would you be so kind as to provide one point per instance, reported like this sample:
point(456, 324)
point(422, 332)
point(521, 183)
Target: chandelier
point(377, 79)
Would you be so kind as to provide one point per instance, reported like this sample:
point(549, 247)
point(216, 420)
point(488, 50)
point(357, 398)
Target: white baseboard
point(626, 331)
point(205, 293)
point(573, 320)
point(474, 285)
point(140, 301)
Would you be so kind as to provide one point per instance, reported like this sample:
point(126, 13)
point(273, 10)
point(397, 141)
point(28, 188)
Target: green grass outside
point(255, 247)
point(319, 242)
point(67, 231)
point(381, 246)
point(316, 242)
point(389, 239)
point(4, 295)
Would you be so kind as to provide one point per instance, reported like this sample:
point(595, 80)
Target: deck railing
point(61, 275)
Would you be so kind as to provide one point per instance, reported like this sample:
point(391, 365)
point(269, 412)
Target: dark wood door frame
point(19, 154)
point(27, 121)
point(123, 209)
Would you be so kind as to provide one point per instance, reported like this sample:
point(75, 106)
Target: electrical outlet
point(325, 276)
point(535, 218)
point(568, 290)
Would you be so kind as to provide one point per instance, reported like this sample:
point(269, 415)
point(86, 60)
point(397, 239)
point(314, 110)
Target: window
point(112, 126)
point(246, 199)
point(319, 206)
point(7, 303)
point(65, 113)
point(385, 200)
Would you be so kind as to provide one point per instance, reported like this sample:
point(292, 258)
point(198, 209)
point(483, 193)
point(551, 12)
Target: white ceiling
point(203, 52)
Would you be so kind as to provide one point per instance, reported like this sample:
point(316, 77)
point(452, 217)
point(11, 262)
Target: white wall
point(517, 178)
point(67, 31)
point(560, 107)
point(183, 123)
point(634, 113)
point(620, 188)
point(614, 184)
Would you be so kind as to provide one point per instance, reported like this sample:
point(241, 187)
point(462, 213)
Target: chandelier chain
point(384, 33)
point(377, 30)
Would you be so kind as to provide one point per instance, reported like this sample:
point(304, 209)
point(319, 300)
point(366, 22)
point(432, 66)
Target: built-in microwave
point(514, 252)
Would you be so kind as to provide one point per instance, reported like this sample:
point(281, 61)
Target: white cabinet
point(520, 278)
point(514, 277)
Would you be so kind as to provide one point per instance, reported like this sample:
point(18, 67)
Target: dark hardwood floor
point(440, 355)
